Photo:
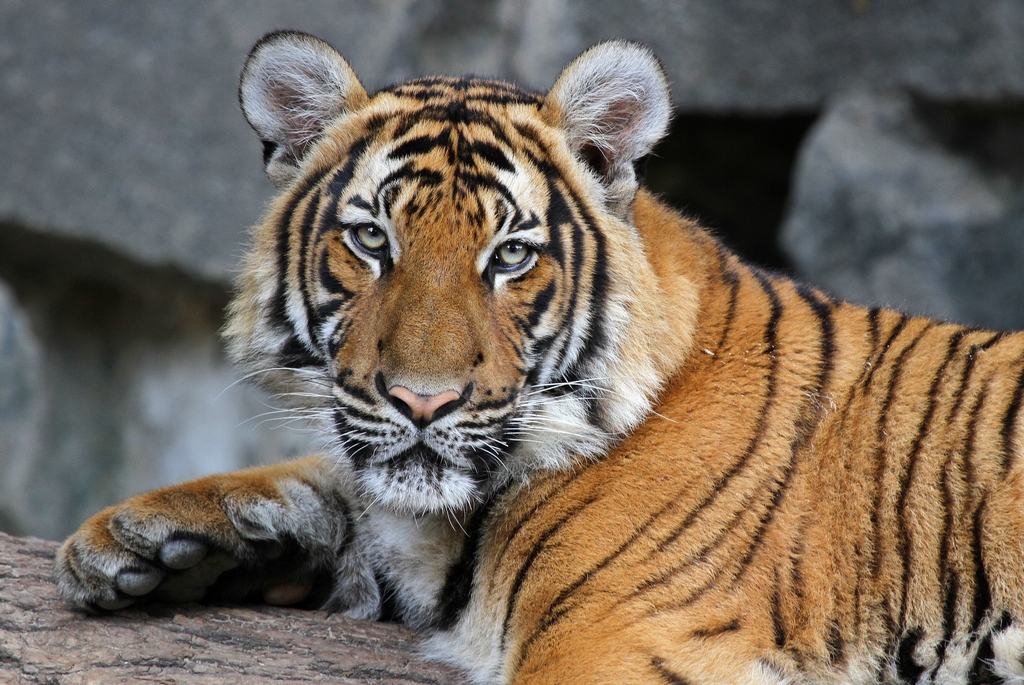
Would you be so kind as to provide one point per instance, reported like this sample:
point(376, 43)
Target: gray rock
point(120, 123)
point(115, 383)
point(890, 208)
point(129, 179)
point(20, 407)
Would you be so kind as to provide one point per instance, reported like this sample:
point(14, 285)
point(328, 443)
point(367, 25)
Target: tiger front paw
point(223, 538)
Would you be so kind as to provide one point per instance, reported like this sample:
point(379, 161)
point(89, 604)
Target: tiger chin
point(572, 437)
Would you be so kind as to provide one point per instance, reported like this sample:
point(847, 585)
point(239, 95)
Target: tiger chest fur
point(571, 436)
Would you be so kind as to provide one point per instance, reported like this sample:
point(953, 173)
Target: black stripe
point(312, 224)
point(330, 282)
point(1008, 431)
point(982, 590)
point(770, 341)
point(458, 584)
point(881, 455)
point(538, 547)
point(469, 89)
point(540, 305)
point(358, 393)
point(349, 412)
point(495, 404)
point(733, 280)
point(992, 341)
point(835, 644)
point(279, 308)
point(778, 625)
point(907, 480)
point(529, 516)
point(873, 327)
point(295, 355)
point(950, 577)
point(805, 426)
point(305, 232)
point(981, 669)
point(556, 610)
point(597, 338)
point(421, 145)
point(823, 311)
point(906, 667)
point(897, 329)
point(666, 675)
point(491, 153)
point(951, 590)
point(729, 627)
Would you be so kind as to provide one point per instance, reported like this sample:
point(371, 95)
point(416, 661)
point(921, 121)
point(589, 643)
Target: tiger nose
point(424, 409)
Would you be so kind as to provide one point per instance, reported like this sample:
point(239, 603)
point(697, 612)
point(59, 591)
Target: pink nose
point(423, 409)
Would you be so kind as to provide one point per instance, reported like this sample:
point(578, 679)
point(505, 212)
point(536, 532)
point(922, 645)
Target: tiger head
point(450, 278)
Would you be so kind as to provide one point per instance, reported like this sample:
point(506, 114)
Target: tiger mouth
point(433, 466)
point(418, 454)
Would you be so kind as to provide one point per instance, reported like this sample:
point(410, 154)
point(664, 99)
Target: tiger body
point(574, 438)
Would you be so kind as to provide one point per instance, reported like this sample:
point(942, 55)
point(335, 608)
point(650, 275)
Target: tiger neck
point(681, 255)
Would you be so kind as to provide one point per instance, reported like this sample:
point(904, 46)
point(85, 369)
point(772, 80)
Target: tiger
point(569, 435)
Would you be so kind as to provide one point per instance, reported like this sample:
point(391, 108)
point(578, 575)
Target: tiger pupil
point(370, 237)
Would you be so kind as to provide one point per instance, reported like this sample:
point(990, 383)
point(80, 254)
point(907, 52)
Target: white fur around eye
point(533, 239)
point(351, 217)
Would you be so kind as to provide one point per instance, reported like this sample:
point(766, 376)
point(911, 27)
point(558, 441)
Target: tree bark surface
point(45, 640)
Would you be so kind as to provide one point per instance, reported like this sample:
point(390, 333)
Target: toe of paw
point(137, 583)
point(178, 554)
point(115, 604)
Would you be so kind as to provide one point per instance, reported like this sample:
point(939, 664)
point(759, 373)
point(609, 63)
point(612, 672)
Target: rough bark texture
point(43, 640)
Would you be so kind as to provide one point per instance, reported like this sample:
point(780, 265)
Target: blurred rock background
point(873, 148)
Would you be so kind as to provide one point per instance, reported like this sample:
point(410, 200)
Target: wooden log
point(43, 639)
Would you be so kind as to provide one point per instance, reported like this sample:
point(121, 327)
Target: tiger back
point(571, 436)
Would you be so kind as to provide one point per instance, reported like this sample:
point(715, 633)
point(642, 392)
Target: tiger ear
point(614, 104)
point(293, 86)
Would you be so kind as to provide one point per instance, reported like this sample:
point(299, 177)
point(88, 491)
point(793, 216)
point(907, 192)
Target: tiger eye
point(370, 237)
point(512, 253)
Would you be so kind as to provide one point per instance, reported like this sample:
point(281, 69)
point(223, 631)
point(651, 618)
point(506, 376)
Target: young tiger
point(574, 438)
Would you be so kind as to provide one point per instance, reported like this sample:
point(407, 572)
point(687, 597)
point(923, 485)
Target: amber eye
point(511, 254)
point(370, 237)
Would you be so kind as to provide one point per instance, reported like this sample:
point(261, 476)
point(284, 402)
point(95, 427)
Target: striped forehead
point(464, 124)
point(441, 146)
point(445, 91)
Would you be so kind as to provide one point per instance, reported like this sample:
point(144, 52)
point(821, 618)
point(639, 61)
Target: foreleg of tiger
point(282, 532)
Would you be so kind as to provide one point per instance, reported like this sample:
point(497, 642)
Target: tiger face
point(449, 281)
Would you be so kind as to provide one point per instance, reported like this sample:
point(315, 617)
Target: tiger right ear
point(293, 86)
point(613, 104)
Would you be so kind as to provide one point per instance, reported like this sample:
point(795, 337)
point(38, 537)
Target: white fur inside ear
point(292, 86)
point(613, 99)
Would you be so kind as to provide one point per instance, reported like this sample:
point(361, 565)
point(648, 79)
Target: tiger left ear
point(614, 104)
point(293, 86)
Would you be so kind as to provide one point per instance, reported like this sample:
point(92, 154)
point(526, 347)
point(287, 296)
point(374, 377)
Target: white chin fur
point(413, 490)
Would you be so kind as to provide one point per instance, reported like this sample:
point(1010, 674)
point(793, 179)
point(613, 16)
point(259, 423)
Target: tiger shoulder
point(572, 437)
